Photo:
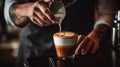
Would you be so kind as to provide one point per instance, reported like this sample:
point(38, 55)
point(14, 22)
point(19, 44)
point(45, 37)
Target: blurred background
point(9, 40)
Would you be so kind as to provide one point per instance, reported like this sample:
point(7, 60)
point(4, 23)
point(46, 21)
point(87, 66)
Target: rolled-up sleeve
point(105, 8)
point(8, 3)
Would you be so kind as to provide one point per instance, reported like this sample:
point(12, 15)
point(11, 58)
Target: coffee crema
point(65, 34)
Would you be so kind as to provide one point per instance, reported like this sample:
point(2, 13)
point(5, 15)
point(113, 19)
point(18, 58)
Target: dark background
point(9, 41)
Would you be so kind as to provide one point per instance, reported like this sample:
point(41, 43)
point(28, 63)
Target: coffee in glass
point(65, 43)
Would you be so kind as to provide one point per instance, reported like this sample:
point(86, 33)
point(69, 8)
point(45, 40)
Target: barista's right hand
point(40, 14)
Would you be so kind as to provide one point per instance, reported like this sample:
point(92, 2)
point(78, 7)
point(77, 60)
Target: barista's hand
point(87, 44)
point(40, 14)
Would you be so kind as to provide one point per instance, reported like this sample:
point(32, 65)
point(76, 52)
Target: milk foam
point(66, 34)
point(65, 38)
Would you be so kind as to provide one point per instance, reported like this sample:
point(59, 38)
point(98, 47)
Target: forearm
point(19, 13)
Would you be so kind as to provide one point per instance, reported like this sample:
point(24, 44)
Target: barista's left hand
point(89, 43)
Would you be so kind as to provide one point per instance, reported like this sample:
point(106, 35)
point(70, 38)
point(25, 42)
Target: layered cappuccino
point(65, 43)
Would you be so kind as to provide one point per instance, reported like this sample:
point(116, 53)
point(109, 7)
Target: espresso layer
point(65, 51)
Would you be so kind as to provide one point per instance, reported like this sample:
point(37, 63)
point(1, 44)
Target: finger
point(38, 21)
point(81, 46)
point(47, 12)
point(80, 38)
point(95, 48)
point(87, 47)
point(35, 22)
point(42, 16)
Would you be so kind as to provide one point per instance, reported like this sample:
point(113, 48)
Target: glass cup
point(65, 43)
